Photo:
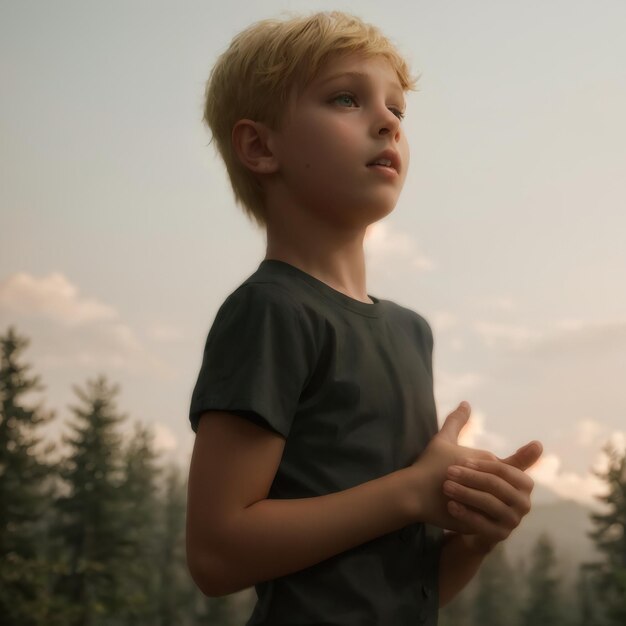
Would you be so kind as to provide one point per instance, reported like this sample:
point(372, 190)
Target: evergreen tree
point(495, 602)
point(140, 533)
point(588, 602)
point(24, 492)
point(610, 538)
point(92, 511)
point(542, 604)
point(178, 594)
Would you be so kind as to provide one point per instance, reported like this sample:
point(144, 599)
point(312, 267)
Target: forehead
point(359, 67)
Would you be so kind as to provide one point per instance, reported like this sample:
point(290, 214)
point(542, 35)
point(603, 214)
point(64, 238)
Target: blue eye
point(346, 97)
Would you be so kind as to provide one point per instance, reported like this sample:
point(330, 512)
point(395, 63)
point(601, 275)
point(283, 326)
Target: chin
point(384, 207)
point(376, 213)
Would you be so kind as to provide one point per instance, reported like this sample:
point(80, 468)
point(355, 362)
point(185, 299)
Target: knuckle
point(512, 520)
point(490, 482)
point(485, 455)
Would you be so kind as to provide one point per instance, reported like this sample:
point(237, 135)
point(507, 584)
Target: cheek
point(345, 135)
point(323, 152)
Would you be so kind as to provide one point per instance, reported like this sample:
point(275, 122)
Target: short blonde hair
point(254, 78)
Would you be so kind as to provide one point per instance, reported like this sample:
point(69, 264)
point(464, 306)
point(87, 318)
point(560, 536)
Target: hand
point(429, 503)
point(491, 496)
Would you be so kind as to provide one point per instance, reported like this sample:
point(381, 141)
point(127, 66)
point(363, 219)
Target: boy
point(318, 474)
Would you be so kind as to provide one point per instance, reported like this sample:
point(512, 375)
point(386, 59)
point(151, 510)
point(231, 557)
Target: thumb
point(455, 422)
point(526, 456)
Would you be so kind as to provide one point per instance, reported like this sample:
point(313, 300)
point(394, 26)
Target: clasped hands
point(484, 497)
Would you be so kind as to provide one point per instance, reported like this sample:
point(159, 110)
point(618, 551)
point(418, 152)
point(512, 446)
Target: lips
point(387, 155)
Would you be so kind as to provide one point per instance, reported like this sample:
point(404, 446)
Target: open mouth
point(388, 160)
point(387, 169)
point(383, 162)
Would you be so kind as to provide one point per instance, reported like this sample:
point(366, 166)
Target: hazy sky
point(119, 237)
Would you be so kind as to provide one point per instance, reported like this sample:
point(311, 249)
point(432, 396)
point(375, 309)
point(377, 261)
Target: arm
point(458, 563)
point(237, 537)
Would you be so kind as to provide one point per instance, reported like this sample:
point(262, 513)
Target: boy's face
point(333, 131)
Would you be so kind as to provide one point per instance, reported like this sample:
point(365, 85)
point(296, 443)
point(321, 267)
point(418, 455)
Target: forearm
point(272, 538)
point(458, 564)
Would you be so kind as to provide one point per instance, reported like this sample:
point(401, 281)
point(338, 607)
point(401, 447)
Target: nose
point(386, 122)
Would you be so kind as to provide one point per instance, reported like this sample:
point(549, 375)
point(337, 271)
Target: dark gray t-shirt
point(349, 385)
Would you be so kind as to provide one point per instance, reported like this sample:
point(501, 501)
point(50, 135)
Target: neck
point(331, 254)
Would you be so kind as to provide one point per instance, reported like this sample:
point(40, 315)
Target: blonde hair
point(255, 76)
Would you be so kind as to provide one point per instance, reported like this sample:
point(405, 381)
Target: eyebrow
point(359, 76)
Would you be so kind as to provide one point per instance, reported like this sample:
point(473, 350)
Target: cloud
point(52, 296)
point(582, 488)
point(164, 438)
point(383, 247)
point(70, 330)
point(574, 338)
point(499, 303)
point(164, 332)
point(454, 387)
point(443, 320)
point(618, 440)
point(588, 432)
point(568, 337)
point(475, 435)
point(502, 303)
point(507, 336)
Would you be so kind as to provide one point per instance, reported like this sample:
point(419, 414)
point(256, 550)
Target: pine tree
point(91, 512)
point(542, 604)
point(610, 538)
point(495, 602)
point(24, 492)
point(588, 602)
point(140, 533)
point(178, 594)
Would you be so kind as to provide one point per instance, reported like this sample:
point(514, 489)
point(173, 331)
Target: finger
point(518, 498)
point(478, 522)
point(457, 525)
point(526, 456)
point(509, 473)
point(455, 422)
point(485, 503)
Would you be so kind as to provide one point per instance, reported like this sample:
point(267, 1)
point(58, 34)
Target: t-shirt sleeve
point(257, 359)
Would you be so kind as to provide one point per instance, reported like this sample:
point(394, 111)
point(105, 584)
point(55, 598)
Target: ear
point(251, 142)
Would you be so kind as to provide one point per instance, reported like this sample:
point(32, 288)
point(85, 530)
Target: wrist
point(478, 545)
point(413, 494)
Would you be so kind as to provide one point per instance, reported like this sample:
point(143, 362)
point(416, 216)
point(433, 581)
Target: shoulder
point(268, 308)
point(257, 298)
point(414, 321)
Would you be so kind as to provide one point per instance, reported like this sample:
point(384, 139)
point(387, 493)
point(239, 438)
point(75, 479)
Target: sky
point(120, 238)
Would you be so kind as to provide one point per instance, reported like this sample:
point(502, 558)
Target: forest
point(92, 530)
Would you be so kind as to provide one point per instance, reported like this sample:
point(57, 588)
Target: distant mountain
point(567, 523)
point(543, 495)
